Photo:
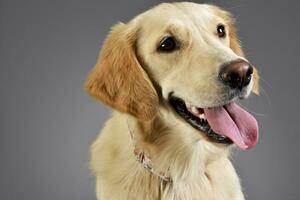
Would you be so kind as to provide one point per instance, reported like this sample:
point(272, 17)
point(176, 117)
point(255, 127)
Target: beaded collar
point(145, 160)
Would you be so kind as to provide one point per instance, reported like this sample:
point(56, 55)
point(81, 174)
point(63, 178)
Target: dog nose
point(236, 74)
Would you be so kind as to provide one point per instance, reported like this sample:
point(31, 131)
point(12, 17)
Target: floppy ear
point(255, 87)
point(118, 80)
point(235, 45)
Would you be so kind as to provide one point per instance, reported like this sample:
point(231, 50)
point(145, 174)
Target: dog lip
point(196, 119)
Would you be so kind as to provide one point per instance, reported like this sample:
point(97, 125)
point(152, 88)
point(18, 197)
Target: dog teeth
point(188, 105)
point(194, 110)
point(202, 116)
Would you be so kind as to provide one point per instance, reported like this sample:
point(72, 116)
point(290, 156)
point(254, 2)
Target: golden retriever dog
point(172, 74)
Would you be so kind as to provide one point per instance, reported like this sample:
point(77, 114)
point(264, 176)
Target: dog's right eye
point(168, 45)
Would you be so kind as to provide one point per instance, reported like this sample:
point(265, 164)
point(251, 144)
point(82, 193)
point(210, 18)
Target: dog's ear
point(235, 45)
point(255, 87)
point(118, 80)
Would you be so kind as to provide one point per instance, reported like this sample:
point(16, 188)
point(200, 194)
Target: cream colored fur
point(134, 79)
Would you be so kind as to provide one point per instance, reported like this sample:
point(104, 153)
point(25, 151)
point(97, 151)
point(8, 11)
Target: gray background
point(47, 122)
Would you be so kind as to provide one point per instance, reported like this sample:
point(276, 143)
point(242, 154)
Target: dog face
point(185, 56)
point(201, 39)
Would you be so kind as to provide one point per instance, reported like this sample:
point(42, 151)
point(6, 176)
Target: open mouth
point(196, 118)
point(225, 124)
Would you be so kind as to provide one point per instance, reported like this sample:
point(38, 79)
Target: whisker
point(267, 96)
point(249, 110)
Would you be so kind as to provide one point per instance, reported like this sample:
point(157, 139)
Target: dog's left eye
point(221, 31)
point(168, 45)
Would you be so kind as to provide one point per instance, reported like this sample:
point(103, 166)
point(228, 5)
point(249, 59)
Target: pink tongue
point(234, 122)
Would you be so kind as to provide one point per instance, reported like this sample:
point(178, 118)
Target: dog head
point(184, 57)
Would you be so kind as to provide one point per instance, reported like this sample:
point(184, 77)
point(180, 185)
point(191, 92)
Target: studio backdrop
point(48, 122)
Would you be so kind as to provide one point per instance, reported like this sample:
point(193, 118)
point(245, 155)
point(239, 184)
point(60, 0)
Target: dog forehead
point(183, 14)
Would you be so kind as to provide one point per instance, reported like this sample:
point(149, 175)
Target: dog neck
point(144, 159)
point(170, 153)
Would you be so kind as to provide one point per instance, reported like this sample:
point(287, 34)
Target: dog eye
point(168, 45)
point(221, 31)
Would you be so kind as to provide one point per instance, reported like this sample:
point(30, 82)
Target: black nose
point(236, 74)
